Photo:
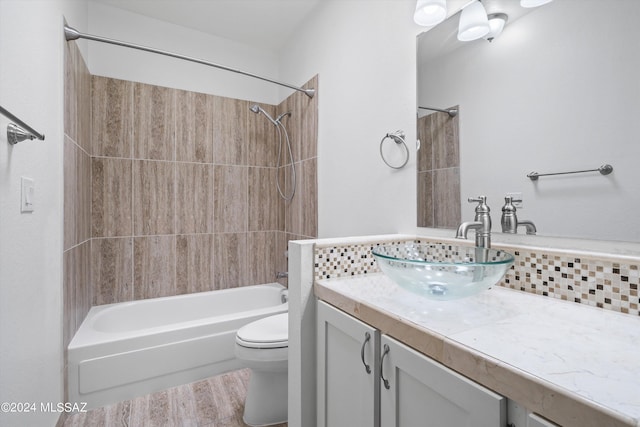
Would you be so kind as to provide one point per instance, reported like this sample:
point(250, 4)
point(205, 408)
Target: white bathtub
point(131, 349)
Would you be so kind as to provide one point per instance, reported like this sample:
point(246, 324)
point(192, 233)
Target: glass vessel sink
point(442, 271)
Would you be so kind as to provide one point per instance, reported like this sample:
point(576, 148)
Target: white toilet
point(263, 346)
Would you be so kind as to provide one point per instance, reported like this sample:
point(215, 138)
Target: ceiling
point(265, 24)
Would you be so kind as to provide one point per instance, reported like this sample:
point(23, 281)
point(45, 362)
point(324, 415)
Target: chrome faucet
point(509, 220)
point(481, 224)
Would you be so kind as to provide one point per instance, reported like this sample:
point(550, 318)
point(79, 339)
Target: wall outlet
point(27, 200)
point(517, 196)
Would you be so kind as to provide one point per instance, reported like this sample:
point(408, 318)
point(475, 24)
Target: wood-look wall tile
point(230, 199)
point(70, 96)
point(302, 125)
point(262, 139)
point(83, 103)
point(194, 263)
point(83, 196)
point(281, 251)
point(69, 326)
point(111, 117)
point(262, 247)
point(229, 131)
point(425, 199)
point(425, 153)
point(111, 197)
point(69, 199)
point(194, 198)
point(293, 124)
point(83, 289)
point(302, 212)
point(230, 260)
point(76, 288)
point(446, 152)
point(154, 261)
point(153, 197)
point(446, 198)
point(194, 127)
point(112, 270)
point(309, 121)
point(154, 121)
point(266, 207)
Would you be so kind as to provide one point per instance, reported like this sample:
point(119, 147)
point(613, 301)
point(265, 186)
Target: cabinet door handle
point(367, 337)
point(384, 380)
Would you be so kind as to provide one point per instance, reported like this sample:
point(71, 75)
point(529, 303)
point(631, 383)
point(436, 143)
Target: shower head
point(257, 109)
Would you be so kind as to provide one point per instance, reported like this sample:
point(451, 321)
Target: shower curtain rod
point(452, 112)
point(73, 34)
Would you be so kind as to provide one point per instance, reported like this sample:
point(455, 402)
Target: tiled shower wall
point(170, 192)
point(77, 193)
point(184, 192)
point(438, 176)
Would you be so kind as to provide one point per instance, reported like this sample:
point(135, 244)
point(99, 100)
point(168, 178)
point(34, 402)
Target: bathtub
point(130, 349)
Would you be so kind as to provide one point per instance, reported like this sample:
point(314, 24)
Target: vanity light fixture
point(474, 23)
point(430, 12)
point(496, 25)
point(533, 3)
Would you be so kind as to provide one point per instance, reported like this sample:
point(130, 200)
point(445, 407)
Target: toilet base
point(266, 402)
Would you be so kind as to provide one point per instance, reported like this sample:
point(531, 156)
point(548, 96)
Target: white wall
point(31, 87)
point(129, 64)
point(364, 53)
point(555, 92)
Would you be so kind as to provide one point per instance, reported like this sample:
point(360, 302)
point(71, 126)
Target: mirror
point(557, 91)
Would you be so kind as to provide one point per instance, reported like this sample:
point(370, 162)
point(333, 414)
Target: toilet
point(263, 346)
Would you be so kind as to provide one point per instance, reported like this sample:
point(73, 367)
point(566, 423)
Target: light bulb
point(473, 22)
point(496, 25)
point(430, 12)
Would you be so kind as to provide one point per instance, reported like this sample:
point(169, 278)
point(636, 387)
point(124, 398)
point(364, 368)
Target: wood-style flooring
point(214, 402)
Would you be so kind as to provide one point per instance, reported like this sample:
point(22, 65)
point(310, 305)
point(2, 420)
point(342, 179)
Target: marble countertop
point(573, 364)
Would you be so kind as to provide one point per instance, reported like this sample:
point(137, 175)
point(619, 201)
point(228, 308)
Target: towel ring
point(398, 138)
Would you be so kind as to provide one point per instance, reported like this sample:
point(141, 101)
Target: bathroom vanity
point(566, 364)
point(391, 381)
point(503, 357)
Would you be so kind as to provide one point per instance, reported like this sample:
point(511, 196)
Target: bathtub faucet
point(282, 275)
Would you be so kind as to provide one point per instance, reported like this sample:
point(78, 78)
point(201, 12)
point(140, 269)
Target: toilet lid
point(272, 331)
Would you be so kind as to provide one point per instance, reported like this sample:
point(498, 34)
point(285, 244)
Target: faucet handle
point(482, 204)
point(510, 199)
point(479, 199)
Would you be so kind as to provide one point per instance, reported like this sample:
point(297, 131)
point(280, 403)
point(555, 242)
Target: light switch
point(28, 195)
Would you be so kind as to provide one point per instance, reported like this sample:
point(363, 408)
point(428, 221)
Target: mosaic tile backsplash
point(608, 283)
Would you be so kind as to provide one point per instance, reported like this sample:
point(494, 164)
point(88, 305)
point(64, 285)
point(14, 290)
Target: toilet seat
point(269, 332)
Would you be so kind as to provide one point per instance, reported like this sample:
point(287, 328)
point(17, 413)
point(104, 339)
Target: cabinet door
point(348, 395)
point(422, 392)
point(537, 421)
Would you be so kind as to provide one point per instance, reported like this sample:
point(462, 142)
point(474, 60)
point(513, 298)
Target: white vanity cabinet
point(413, 389)
point(347, 391)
